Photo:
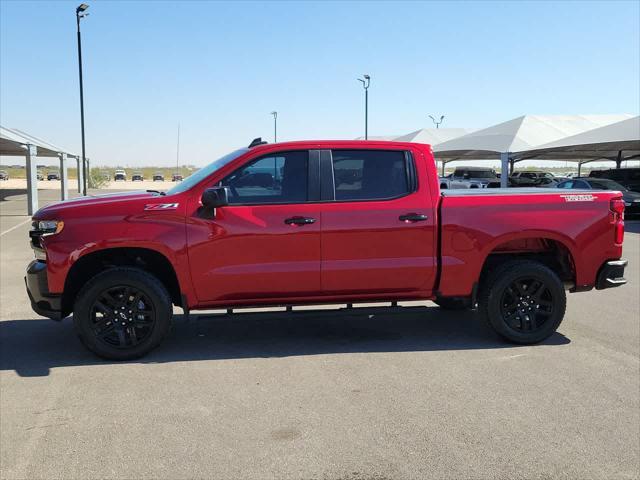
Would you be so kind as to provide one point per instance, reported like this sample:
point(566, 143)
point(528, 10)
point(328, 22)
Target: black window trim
point(326, 170)
point(313, 177)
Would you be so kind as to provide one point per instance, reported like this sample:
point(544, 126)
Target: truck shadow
point(34, 347)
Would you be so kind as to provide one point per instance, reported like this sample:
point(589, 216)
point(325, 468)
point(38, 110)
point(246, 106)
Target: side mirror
point(215, 197)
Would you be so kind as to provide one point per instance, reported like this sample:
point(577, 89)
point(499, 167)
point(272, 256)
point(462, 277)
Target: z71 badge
point(161, 206)
point(579, 198)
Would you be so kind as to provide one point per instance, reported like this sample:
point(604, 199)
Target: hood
point(93, 201)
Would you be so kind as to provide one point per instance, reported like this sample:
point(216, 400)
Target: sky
point(219, 68)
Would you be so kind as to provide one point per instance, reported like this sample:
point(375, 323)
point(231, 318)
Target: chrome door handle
point(300, 221)
point(413, 217)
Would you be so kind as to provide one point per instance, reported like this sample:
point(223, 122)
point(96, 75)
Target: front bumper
point(42, 302)
point(611, 274)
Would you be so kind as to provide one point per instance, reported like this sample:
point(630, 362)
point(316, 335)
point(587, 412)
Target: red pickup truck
point(319, 222)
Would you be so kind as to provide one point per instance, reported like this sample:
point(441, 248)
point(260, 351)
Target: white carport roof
point(520, 135)
point(620, 140)
point(433, 136)
point(14, 142)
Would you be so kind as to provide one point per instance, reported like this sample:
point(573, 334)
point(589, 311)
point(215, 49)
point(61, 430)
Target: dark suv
point(629, 177)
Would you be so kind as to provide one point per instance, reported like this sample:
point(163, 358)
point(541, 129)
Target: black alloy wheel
point(524, 301)
point(122, 316)
point(527, 303)
point(122, 313)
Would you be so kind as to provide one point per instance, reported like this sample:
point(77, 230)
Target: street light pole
point(80, 14)
point(275, 126)
point(436, 122)
point(366, 80)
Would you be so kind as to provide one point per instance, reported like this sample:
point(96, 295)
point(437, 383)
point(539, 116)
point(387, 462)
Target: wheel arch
point(553, 250)
point(147, 259)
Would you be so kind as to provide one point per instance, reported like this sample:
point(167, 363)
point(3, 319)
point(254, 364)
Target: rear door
point(378, 229)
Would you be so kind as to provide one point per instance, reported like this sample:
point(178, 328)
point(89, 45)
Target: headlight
point(50, 227)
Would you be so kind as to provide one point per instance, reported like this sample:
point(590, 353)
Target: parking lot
point(421, 394)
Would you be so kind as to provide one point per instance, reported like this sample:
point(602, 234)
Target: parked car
point(53, 176)
point(4, 175)
point(231, 236)
point(137, 177)
point(550, 182)
point(478, 177)
point(39, 176)
point(158, 177)
point(631, 199)
point(629, 177)
point(176, 177)
point(529, 178)
point(120, 175)
point(447, 182)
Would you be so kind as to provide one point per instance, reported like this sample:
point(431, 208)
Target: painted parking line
point(15, 226)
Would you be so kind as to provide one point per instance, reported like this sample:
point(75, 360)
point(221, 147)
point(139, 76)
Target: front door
point(378, 232)
point(264, 247)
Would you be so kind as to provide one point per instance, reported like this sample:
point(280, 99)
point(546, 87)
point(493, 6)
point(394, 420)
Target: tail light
point(617, 207)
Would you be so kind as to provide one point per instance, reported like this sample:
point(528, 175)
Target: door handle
point(413, 217)
point(300, 221)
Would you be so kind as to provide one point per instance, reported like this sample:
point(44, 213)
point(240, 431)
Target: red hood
point(58, 208)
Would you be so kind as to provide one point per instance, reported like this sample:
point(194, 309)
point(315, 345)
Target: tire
point(122, 313)
point(523, 301)
point(452, 303)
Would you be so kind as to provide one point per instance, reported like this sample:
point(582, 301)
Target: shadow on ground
point(34, 347)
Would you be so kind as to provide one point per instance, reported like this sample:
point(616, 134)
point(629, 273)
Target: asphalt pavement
point(416, 395)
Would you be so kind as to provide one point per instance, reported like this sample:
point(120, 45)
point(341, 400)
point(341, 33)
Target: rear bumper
point(611, 274)
point(42, 302)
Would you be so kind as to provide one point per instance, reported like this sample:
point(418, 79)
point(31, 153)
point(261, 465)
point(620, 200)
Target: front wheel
point(523, 301)
point(122, 313)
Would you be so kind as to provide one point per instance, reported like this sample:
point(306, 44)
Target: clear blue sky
point(220, 68)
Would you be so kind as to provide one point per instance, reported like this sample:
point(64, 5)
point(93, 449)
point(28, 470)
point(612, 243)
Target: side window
point(634, 174)
point(580, 184)
point(567, 184)
point(370, 174)
point(278, 178)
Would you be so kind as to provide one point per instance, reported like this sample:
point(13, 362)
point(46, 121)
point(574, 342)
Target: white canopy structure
point(433, 136)
point(616, 142)
point(15, 142)
point(511, 141)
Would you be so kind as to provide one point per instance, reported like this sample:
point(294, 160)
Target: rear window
point(370, 174)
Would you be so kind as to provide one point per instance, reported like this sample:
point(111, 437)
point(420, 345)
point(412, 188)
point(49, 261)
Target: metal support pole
point(619, 159)
point(88, 179)
point(443, 165)
point(579, 167)
point(80, 176)
point(504, 172)
point(84, 165)
point(512, 166)
point(32, 179)
point(64, 177)
point(366, 114)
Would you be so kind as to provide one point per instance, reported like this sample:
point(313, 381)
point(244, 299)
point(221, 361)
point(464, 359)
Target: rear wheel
point(122, 313)
point(523, 301)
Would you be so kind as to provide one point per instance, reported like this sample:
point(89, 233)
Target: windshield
point(204, 172)
point(603, 184)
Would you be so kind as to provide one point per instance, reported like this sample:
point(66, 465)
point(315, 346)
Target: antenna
point(436, 122)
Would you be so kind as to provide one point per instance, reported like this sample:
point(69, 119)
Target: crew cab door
point(378, 228)
point(265, 245)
